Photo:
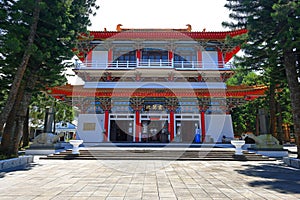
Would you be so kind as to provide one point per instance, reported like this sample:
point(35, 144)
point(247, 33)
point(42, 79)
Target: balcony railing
point(179, 65)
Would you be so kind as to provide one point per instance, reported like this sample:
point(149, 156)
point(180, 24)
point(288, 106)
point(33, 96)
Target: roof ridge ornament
point(188, 29)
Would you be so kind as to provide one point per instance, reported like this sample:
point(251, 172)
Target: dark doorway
point(188, 129)
point(155, 131)
point(121, 131)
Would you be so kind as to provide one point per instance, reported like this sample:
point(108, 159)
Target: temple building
point(155, 85)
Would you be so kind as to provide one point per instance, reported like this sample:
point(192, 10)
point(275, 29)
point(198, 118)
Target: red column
point(138, 54)
point(89, 59)
point(170, 55)
point(220, 59)
point(171, 125)
point(110, 56)
point(137, 125)
point(203, 125)
point(106, 120)
point(199, 58)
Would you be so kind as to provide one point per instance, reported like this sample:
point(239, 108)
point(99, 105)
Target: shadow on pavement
point(10, 171)
point(276, 177)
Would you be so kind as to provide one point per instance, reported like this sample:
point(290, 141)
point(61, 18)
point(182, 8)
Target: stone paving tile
point(81, 179)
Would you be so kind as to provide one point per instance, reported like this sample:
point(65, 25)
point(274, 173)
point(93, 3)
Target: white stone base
point(41, 151)
point(273, 154)
point(15, 162)
point(293, 162)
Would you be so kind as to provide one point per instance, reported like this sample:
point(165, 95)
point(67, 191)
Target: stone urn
point(238, 146)
point(75, 144)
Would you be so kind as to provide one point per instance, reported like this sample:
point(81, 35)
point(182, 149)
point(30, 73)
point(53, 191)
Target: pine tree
point(272, 42)
point(38, 35)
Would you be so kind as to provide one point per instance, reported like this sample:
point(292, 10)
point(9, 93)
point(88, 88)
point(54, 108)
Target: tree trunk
point(6, 147)
point(7, 143)
point(13, 129)
point(272, 110)
point(257, 124)
point(26, 130)
point(21, 69)
point(294, 86)
point(20, 120)
point(279, 124)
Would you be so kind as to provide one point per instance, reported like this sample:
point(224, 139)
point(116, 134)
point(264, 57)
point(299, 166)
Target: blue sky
point(200, 14)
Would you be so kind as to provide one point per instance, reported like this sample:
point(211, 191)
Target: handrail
point(179, 65)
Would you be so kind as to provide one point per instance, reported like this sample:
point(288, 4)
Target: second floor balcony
point(153, 64)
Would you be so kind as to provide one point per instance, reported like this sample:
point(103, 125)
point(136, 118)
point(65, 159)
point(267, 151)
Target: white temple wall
point(99, 59)
point(90, 128)
point(217, 126)
point(210, 59)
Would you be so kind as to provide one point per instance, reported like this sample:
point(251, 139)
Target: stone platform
point(157, 153)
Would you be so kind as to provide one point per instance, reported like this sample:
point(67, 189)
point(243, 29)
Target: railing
point(179, 65)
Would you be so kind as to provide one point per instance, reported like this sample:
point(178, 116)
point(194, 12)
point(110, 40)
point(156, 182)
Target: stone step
point(134, 154)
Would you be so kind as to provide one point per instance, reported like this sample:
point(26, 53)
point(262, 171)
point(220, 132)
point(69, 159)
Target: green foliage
point(4, 157)
point(283, 98)
point(36, 36)
point(287, 16)
point(60, 23)
point(273, 28)
point(63, 111)
point(245, 77)
point(244, 116)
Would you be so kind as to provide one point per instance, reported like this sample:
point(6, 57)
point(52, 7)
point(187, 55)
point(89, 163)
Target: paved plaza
point(98, 179)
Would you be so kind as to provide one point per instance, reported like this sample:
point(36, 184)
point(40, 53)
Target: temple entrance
point(154, 131)
point(155, 128)
point(121, 128)
point(186, 126)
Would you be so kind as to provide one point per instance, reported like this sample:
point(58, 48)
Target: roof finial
point(189, 28)
point(119, 29)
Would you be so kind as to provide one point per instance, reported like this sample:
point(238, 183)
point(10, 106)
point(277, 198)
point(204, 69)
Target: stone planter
point(75, 144)
point(238, 146)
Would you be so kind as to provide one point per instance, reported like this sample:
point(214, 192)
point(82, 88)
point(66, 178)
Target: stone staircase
point(214, 154)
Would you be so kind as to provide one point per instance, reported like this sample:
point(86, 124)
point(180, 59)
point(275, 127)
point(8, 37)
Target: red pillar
point(170, 55)
point(106, 120)
point(89, 59)
point(138, 54)
point(203, 125)
point(110, 56)
point(220, 59)
point(137, 125)
point(171, 125)
point(199, 58)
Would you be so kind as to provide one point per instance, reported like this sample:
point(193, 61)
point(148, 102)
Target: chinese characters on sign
point(154, 107)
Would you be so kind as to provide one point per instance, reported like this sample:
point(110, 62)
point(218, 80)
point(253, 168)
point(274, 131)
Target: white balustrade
point(179, 65)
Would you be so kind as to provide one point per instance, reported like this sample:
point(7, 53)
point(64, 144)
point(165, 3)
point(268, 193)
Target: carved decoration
point(172, 103)
point(136, 103)
point(105, 102)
